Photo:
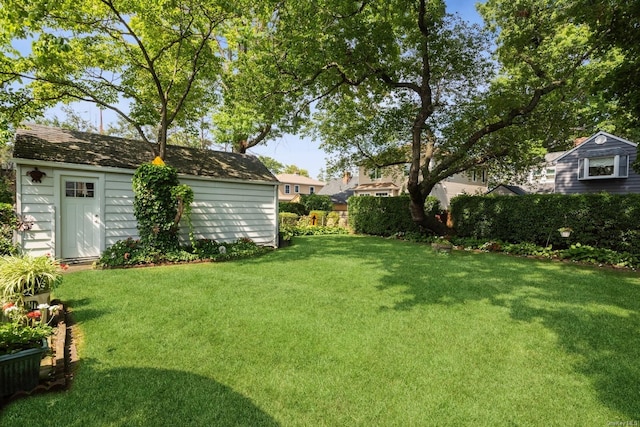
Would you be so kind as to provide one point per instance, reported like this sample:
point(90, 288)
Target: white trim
point(616, 168)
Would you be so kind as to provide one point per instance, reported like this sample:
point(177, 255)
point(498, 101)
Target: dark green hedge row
point(600, 220)
point(296, 208)
point(382, 216)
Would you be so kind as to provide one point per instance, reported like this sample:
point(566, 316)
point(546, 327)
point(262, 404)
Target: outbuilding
point(74, 194)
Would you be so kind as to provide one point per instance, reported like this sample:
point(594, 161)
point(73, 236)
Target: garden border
point(58, 368)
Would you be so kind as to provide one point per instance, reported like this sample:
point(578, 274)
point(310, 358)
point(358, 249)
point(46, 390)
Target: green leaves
point(156, 206)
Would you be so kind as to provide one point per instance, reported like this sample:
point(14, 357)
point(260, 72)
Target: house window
point(382, 194)
point(550, 175)
point(479, 175)
point(603, 167)
point(375, 173)
point(287, 189)
point(79, 189)
point(296, 189)
point(312, 190)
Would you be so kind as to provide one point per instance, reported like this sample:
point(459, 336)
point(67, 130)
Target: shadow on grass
point(594, 313)
point(146, 397)
point(80, 311)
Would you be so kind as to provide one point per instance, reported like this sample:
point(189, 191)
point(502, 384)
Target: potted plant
point(565, 231)
point(29, 280)
point(284, 236)
point(21, 350)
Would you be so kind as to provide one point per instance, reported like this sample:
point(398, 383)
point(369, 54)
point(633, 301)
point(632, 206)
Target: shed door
point(80, 217)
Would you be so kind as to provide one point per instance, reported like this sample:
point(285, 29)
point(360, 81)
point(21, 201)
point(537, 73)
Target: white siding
point(226, 211)
point(119, 220)
point(36, 204)
point(223, 211)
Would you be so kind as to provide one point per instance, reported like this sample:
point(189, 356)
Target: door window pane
point(79, 189)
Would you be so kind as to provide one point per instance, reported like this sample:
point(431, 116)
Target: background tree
point(258, 103)
point(616, 30)
point(156, 56)
point(295, 170)
point(272, 164)
point(400, 82)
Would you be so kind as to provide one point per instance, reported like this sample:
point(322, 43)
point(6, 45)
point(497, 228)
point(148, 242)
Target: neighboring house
point(540, 179)
point(74, 192)
point(543, 178)
point(601, 163)
point(292, 185)
point(508, 190)
point(390, 182)
point(340, 189)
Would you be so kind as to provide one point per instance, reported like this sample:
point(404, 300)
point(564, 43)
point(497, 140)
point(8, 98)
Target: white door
point(80, 217)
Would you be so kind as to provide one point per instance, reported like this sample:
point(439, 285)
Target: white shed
point(74, 192)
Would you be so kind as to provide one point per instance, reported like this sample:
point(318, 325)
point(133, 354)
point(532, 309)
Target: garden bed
point(56, 369)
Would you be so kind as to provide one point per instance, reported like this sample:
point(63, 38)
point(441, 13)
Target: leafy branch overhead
point(152, 63)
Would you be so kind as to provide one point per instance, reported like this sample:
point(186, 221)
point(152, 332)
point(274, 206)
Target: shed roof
point(43, 143)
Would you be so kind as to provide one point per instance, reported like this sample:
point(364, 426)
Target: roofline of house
point(592, 137)
point(126, 171)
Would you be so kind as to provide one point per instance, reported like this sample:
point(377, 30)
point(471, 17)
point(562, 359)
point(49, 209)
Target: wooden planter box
point(21, 370)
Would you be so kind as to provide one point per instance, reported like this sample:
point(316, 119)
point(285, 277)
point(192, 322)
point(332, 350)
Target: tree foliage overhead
point(159, 57)
point(404, 82)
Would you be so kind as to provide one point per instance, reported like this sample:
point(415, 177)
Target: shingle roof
point(339, 190)
point(37, 142)
point(292, 178)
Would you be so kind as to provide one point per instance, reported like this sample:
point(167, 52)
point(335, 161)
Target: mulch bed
point(56, 369)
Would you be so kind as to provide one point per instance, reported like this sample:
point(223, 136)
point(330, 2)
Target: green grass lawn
point(345, 330)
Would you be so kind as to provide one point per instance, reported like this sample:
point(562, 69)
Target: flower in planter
point(35, 314)
point(15, 336)
point(8, 307)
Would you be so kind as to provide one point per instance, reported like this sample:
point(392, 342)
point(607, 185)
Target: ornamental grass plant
point(350, 330)
point(25, 275)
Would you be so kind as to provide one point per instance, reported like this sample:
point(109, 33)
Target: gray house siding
point(567, 167)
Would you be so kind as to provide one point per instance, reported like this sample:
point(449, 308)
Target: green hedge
point(288, 218)
point(296, 208)
point(599, 220)
point(382, 216)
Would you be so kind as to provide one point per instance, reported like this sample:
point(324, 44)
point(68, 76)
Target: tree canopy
point(397, 82)
point(159, 57)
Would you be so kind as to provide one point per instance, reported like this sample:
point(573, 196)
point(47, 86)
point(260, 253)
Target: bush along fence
point(605, 221)
point(386, 216)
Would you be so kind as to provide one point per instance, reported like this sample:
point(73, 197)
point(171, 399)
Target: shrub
point(599, 220)
point(382, 216)
point(288, 218)
point(333, 219)
point(6, 194)
point(129, 252)
point(8, 224)
point(296, 208)
point(316, 202)
point(155, 207)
